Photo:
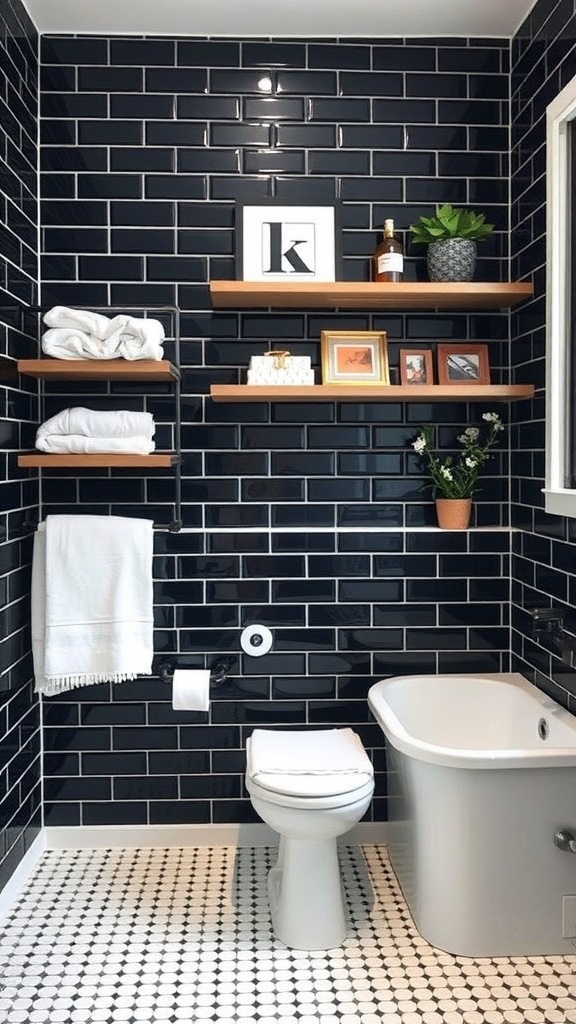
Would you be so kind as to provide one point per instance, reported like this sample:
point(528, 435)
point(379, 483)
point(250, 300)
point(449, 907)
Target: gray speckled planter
point(452, 259)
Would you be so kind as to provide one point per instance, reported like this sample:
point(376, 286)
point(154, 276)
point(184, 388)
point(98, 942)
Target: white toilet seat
point(306, 801)
point(334, 788)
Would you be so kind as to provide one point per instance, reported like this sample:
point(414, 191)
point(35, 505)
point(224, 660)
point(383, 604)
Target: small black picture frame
point(278, 241)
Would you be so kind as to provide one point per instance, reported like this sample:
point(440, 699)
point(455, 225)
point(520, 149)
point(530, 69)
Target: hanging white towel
point(310, 752)
point(81, 334)
point(90, 430)
point(92, 605)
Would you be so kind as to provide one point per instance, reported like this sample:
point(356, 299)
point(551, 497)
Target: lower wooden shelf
point(99, 369)
point(372, 393)
point(99, 460)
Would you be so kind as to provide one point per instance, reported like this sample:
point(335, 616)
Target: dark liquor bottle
point(388, 260)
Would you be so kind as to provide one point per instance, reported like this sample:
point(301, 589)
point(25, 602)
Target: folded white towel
point(100, 423)
point(81, 334)
point(79, 444)
point(310, 752)
point(91, 430)
point(92, 610)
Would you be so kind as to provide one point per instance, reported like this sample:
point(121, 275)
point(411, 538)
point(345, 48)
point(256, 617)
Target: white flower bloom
point(471, 463)
point(419, 445)
point(491, 417)
point(472, 433)
point(446, 473)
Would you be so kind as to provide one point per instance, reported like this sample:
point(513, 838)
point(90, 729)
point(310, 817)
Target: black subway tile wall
point(310, 519)
point(20, 810)
point(543, 545)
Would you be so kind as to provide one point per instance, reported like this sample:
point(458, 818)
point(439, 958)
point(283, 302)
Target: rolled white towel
point(80, 334)
point(99, 423)
point(79, 443)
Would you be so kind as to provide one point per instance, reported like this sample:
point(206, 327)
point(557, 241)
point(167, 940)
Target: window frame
point(560, 405)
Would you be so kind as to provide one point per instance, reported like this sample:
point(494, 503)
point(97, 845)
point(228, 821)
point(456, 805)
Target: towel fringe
point(60, 684)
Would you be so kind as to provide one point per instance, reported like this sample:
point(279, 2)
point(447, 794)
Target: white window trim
point(559, 499)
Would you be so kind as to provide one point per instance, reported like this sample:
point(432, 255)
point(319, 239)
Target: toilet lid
point(308, 763)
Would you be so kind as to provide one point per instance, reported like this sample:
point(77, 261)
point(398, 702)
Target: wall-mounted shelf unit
point(50, 370)
point(405, 295)
point(374, 393)
point(98, 369)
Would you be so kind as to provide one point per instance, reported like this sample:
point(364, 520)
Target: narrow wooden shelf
point(470, 295)
point(99, 460)
point(99, 369)
point(373, 393)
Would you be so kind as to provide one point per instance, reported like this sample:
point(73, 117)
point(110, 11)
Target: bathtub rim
point(461, 757)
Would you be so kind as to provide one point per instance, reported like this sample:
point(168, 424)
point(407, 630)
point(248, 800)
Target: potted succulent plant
point(451, 236)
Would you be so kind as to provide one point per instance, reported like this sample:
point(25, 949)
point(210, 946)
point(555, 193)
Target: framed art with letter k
point(287, 241)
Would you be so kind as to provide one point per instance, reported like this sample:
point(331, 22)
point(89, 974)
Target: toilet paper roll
point(191, 689)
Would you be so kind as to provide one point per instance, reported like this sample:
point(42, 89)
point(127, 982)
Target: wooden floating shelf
point(99, 369)
point(373, 393)
point(469, 295)
point(99, 460)
point(377, 392)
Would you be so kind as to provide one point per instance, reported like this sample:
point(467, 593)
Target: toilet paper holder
point(218, 671)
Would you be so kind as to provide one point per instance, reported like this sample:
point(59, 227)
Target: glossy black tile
point(370, 84)
point(346, 56)
point(403, 58)
point(272, 490)
point(338, 109)
point(144, 52)
point(370, 590)
point(303, 542)
point(200, 108)
point(210, 53)
point(238, 591)
point(176, 80)
point(334, 162)
point(303, 590)
point(222, 134)
point(273, 54)
point(276, 162)
point(62, 50)
point(110, 79)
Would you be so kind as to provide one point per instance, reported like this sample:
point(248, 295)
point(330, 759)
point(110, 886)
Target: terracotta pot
point(453, 513)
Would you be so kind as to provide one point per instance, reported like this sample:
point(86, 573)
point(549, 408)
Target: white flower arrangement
point(456, 476)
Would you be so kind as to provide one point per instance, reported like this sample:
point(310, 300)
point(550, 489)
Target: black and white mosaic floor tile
point(183, 935)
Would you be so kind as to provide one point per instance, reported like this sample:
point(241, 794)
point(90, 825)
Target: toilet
point(310, 786)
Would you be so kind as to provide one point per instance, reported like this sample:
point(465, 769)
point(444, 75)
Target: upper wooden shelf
point(367, 295)
point(98, 369)
point(98, 460)
point(367, 393)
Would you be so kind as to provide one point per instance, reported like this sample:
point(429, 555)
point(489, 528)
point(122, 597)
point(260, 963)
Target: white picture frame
point(287, 241)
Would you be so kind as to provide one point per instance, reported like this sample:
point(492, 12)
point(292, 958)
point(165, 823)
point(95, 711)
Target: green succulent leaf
point(451, 222)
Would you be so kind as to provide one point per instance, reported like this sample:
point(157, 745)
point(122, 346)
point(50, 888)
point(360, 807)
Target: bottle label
point(391, 262)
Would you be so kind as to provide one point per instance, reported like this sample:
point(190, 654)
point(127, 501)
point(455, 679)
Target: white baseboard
point(20, 876)
point(98, 837)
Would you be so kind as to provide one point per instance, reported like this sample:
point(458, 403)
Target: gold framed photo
point(463, 364)
point(354, 357)
point(416, 366)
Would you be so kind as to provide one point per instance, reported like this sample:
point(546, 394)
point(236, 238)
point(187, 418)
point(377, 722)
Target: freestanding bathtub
point(482, 775)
